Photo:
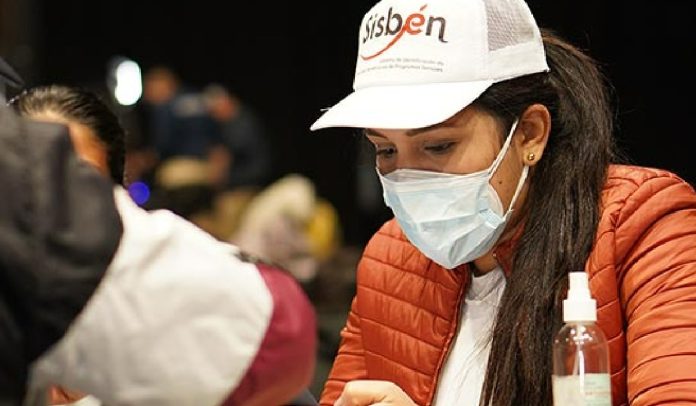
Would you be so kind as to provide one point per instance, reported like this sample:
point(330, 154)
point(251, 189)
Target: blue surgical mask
point(452, 219)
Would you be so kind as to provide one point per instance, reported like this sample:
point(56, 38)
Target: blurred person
point(178, 121)
point(97, 137)
point(184, 186)
point(289, 225)
point(495, 152)
point(244, 135)
point(131, 306)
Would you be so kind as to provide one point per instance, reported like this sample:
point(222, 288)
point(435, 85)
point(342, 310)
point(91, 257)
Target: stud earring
point(531, 156)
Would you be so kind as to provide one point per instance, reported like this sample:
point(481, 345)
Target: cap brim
point(398, 107)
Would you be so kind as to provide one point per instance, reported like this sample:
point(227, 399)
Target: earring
point(531, 156)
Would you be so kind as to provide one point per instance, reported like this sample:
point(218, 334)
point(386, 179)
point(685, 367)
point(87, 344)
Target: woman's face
point(466, 143)
point(86, 143)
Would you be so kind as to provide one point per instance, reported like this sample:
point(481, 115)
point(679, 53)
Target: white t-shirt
point(462, 375)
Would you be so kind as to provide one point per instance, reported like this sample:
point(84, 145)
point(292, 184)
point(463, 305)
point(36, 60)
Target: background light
point(139, 192)
point(127, 82)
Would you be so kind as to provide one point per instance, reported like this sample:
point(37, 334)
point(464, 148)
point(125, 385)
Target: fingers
point(373, 393)
point(365, 392)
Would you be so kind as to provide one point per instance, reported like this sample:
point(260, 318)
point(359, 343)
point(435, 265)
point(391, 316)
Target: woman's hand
point(373, 393)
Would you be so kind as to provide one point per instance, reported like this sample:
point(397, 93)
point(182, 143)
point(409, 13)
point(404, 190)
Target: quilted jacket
point(642, 273)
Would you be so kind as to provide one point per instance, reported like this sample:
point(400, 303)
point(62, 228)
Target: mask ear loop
point(520, 183)
point(499, 159)
point(503, 150)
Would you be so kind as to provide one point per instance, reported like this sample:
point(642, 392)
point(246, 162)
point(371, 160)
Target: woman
point(494, 148)
point(171, 299)
point(98, 139)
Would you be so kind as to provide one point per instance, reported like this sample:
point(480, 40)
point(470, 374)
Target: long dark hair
point(85, 107)
point(562, 212)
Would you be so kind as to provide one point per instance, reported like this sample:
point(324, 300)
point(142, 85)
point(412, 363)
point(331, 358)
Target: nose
point(411, 158)
point(402, 160)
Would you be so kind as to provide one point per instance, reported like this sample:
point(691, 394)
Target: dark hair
point(85, 107)
point(562, 212)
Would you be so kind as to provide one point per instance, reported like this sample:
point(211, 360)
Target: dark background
point(289, 59)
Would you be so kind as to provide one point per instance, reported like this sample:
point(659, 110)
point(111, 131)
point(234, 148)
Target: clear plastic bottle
point(580, 351)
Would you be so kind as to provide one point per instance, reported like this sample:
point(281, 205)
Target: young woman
point(494, 148)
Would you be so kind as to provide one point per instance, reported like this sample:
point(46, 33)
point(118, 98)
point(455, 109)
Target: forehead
point(49, 116)
point(469, 119)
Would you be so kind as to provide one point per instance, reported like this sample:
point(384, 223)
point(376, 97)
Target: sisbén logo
point(394, 24)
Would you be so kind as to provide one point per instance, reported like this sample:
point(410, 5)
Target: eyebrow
point(415, 131)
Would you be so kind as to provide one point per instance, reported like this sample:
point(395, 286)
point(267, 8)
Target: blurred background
point(244, 81)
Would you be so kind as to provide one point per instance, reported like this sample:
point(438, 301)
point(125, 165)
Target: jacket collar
point(504, 251)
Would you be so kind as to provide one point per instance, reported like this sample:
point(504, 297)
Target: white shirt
point(462, 375)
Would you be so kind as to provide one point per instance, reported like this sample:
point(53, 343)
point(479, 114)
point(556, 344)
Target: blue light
point(139, 192)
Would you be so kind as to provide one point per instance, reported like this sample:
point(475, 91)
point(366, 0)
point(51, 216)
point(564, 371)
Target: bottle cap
point(579, 306)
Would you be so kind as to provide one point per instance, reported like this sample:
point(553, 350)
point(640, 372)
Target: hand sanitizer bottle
point(580, 351)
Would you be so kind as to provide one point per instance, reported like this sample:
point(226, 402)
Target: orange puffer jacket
point(642, 273)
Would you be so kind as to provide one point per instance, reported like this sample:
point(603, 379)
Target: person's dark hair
point(562, 212)
point(85, 107)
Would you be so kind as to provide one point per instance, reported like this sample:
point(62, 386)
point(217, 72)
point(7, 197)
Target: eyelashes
point(437, 149)
point(441, 148)
point(385, 152)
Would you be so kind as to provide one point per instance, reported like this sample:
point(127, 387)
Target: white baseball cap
point(422, 61)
